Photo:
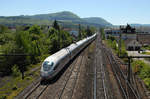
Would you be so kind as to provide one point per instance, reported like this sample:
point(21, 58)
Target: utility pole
point(79, 35)
point(119, 49)
point(129, 69)
point(129, 64)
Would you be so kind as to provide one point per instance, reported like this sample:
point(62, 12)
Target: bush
point(28, 78)
point(124, 52)
point(14, 87)
point(3, 97)
point(15, 71)
point(137, 66)
point(114, 45)
point(143, 70)
point(147, 82)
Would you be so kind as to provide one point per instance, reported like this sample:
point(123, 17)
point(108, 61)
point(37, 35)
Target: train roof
point(58, 55)
point(61, 53)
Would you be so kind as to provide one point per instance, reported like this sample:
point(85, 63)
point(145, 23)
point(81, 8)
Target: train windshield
point(47, 65)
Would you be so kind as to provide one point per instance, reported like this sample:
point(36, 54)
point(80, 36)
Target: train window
point(47, 65)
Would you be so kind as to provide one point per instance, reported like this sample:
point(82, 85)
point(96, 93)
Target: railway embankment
point(10, 86)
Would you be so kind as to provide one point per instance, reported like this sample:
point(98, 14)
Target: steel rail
point(136, 94)
point(69, 77)
point(104, 76)
point(32, 90)
point(77, 76)
point(116, 75)
point(95, 74)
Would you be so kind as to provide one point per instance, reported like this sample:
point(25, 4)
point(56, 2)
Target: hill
point(64, 17)
point(138, 25)
point(97, 20)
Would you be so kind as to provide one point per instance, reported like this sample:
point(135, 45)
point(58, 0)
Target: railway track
point(67, 91)
point(127, 88)
point(36, 92)
point(100, 79)
point(39, 89)
point(95, 76)
point(68, 86)
point(63, 84)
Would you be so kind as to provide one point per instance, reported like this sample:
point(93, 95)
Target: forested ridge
point(65, 17)
point(32, 44)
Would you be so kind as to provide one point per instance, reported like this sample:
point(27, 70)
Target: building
point(112, 32)
point(74, 32)
point(133, 45)
point(143, 39)
point(128, 34)
point(127, 29)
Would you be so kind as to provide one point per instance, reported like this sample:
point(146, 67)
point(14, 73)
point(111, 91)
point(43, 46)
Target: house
point(128, 34)
point(133, 45)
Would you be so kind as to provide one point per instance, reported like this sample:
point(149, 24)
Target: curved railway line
point(38, 90)
point(70, 76)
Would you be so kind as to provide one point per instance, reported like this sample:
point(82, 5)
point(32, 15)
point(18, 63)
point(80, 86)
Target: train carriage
point(53, 64)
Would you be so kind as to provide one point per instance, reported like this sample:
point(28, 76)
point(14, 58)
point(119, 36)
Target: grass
point(16, 84)
point(0, 49)
point(114, 48)
point(143, 71)
point(147, 53)
point(92, 46)
point(146, 47)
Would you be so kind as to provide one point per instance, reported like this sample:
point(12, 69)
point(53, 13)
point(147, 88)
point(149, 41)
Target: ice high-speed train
point(53, 64)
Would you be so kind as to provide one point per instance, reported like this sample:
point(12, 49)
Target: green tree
point(54, 43)
point(79, 35)
point(55, 25)
point(3, 29)
point(65, 39)
point(93, 29)
point(51, 31)
point(35, 32)
point(102, 33)
point(88, 31)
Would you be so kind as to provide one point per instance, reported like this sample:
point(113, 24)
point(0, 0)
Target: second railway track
point(127, 89)
point(101, 83)
point(67, 91)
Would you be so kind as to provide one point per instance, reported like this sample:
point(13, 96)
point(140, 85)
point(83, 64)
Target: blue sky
point(114, 11)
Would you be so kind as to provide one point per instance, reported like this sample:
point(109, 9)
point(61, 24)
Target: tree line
point(31, 44)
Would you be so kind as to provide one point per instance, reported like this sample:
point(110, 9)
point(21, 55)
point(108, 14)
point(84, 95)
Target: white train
point(53, 64)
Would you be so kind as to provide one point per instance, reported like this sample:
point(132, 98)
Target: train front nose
point(46, 70)
point(44, 75)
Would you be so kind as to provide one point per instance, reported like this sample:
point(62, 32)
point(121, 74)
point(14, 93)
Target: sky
point(117, 12)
